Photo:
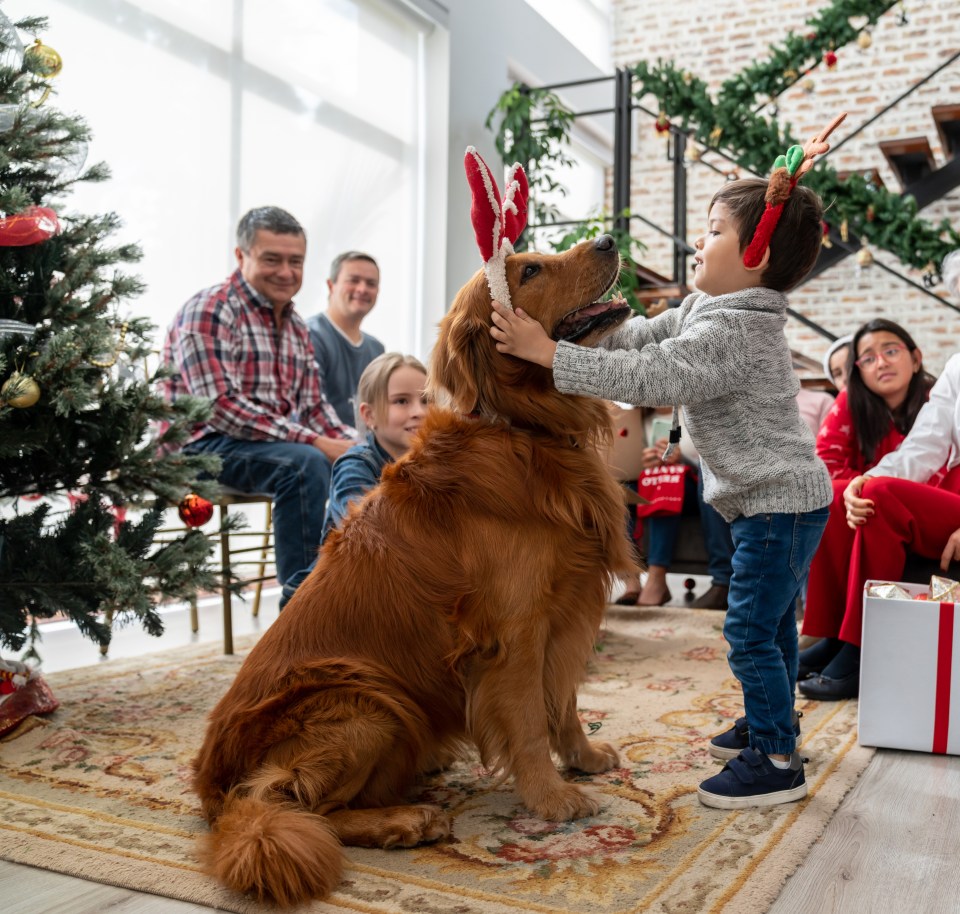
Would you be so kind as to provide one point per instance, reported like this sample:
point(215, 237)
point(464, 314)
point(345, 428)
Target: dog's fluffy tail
point(276, 853)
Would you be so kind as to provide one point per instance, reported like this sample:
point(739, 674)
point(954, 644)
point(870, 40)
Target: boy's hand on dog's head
point(520, 335)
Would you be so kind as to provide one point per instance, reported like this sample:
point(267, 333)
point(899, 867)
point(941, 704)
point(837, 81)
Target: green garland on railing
point(885, 219)
point(733, 123)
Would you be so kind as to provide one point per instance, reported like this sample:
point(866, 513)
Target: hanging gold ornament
point(20, 391)
point(864, 40)
point(864, 257)
point(693, 153)
point(790, 75)
point(808, 85)
point(48, 64)
point(715, 135)
point(844, 231)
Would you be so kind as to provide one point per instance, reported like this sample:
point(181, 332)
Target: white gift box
point(910, 673)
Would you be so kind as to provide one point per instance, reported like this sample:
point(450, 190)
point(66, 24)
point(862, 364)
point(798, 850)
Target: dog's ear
point(463, 348)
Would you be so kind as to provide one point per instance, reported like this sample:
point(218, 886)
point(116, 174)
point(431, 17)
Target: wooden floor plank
point(893, 845)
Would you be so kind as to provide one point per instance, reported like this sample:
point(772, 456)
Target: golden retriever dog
point(457, 605)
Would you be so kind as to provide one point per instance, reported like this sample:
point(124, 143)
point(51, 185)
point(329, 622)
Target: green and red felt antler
point(787, 171)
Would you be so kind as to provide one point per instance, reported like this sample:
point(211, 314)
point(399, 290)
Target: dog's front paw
point(594, 758)
point(569, 802)
point(413, 825)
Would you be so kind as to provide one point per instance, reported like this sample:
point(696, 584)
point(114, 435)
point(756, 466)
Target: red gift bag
point(663, 488)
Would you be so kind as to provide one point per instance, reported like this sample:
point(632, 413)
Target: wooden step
point(947, 119)
point(911, 159)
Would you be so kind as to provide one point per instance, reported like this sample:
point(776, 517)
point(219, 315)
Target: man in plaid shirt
point(242, 345)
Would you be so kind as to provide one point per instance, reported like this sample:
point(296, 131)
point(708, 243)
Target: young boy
point(723, 355)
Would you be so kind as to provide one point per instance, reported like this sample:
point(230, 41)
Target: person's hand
point(332, 448)
point(518, 334)
point(859, 510)
point(675, 456)
point(650, 457)
point(951, 551)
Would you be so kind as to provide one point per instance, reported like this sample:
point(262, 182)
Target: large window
point(203, 110)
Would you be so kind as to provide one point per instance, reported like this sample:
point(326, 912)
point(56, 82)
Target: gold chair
point(265, 560)
point(233, 557)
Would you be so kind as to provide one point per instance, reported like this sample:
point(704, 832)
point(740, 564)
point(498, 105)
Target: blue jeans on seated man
point(297, 479)
point(772, 553)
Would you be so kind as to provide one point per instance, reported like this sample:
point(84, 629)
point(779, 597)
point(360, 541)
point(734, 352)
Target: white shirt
point(934, 439)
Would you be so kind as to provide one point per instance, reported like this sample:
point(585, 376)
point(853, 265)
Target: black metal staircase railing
point(928, 188)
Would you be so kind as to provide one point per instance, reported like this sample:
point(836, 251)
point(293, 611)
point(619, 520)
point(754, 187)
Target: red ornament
point(195, 511)
point(33, 225)
point(830, 59)
point(663, 124)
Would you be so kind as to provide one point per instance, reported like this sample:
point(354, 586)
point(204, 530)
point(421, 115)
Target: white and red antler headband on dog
point(497, 223)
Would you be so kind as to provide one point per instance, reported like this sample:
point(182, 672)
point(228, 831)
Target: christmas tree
point(80, 421)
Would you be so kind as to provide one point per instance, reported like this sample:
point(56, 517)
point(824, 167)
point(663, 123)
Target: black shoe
point(814, 659)
point(714, 598)
point(825, 688)
point(732, 742)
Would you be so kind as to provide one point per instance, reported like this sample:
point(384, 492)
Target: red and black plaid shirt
point(264, 384)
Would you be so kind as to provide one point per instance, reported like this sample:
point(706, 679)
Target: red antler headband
point(787, 171)
point(497, 223)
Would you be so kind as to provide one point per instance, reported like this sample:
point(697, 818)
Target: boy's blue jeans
point(772, 553)
point(297, 478)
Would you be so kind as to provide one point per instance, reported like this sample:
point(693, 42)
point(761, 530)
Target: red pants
point(910, 516)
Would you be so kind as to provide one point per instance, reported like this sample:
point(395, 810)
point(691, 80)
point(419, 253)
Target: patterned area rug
point(99, 789)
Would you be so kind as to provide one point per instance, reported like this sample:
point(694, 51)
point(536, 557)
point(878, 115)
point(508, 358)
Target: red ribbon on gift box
point(941, 714)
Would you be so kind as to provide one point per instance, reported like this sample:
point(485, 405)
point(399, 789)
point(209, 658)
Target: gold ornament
point(844, 231)
point(864, 257)
point(808, 85)
point(693, 153)
point(790, 75)
point(48, 63)
point(864, 40)
point(715, 135)
point(20, 391)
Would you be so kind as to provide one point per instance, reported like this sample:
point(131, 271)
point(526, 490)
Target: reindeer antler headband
point(787, 171)
point(497, 223)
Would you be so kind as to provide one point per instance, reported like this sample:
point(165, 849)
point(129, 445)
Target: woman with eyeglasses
point(886, 388)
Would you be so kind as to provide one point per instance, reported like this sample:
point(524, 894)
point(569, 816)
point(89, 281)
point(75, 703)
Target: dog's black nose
point(605, 243)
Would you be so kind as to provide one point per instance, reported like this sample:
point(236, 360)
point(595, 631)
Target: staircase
point(912, 162)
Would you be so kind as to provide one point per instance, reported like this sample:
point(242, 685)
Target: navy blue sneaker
point(751, 779)
point(732, 742)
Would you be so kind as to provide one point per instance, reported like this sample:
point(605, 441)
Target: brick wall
point(714, 41)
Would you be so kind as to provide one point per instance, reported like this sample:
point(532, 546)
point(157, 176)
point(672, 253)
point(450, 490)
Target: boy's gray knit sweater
point(725, 359)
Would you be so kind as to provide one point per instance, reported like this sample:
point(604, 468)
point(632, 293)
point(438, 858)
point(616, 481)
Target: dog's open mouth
point(598, 315)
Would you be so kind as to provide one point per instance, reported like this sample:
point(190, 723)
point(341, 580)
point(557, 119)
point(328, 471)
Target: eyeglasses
point(890, 354)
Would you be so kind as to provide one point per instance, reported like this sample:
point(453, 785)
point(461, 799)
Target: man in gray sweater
point(341, 348)
point(724, 357)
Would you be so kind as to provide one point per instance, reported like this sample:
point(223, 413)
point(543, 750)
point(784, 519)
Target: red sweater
point(837, 444)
